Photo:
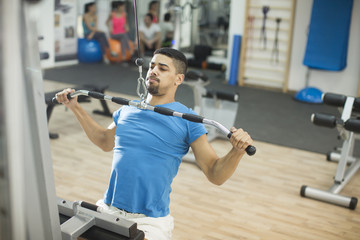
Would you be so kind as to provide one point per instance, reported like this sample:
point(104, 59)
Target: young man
point(150, 35)
point(148, 148)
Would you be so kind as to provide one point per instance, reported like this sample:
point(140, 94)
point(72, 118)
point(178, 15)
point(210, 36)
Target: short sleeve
point(195, 129)
point(116, 115)
point(157, 27)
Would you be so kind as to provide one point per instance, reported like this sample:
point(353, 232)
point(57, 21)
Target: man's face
point(92, 8)
point(161, 76)
point(147, 21)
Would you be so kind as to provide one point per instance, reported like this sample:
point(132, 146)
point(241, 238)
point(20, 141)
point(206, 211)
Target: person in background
point(118, 26)
point(167, 31)
point(154, 10)
point(92, 32)
point(150, 35)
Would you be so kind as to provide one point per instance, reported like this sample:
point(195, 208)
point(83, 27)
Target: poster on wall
point(65, 20)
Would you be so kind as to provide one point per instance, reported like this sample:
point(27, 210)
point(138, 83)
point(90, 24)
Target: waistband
point(106, 208)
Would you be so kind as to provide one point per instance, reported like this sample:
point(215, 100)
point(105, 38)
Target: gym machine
point(82, 219)
point(29, 208)
point(349, 128)
point(218, 105)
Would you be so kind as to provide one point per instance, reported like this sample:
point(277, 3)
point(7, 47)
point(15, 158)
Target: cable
point(139, 62)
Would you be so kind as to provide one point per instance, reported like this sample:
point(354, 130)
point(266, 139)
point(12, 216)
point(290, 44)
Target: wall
point(44, 13)
point(343, 82)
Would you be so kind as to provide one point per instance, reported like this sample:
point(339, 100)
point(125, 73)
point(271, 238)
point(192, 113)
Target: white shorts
point(154, 228)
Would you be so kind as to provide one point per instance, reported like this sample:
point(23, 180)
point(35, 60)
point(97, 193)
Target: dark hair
point(167, 17)
point(178, 58)
point(150, 16)
point(116, 4)
point(153, 3)
point(87, 6)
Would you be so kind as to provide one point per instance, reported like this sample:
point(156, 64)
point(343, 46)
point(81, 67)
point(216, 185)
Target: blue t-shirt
point(148, 150)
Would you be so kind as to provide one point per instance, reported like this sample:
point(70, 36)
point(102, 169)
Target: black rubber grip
point(353, 203)
point(53, 100)
point(357, 103)
point(89, 206)
point(96, 95)
point(193, 117)
point(352, 125)
point(187, 116)
point(334, 99)
point(120, 100)
point(303, 190)
point(222, 95)
point(250, 150)
point(324, 120)
point(164, 111)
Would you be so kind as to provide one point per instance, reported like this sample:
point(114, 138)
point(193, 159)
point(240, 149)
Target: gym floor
point(260, 201)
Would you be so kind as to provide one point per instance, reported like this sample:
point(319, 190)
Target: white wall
point(343, 82)
point(44, 13)
point(103, 11)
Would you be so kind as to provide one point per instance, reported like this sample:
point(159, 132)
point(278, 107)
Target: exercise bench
point(214, 104)
point(349, 128)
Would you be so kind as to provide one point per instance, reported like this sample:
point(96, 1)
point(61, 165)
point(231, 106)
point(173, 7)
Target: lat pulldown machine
point(82, 219)
point(349, 128)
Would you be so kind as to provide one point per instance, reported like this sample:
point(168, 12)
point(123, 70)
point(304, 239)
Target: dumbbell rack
point(348, 127)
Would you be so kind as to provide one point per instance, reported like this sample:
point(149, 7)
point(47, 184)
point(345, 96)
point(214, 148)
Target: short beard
point(153, 90)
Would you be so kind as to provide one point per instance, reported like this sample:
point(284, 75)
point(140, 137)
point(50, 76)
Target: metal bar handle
point(250, 150)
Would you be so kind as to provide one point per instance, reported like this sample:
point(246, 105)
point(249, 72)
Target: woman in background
point(91, 31)
point(154, 10)
point(118, 26)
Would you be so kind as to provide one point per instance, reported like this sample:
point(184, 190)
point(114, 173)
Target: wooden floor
point(260, 201)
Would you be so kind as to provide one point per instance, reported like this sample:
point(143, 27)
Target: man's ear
point(179, 79)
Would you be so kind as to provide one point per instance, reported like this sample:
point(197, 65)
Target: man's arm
point(100, 136)
point(216, 169)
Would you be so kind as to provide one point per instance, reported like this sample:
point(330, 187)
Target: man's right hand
point(61, 97)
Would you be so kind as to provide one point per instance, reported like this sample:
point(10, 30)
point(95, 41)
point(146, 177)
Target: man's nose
point(154, 71)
